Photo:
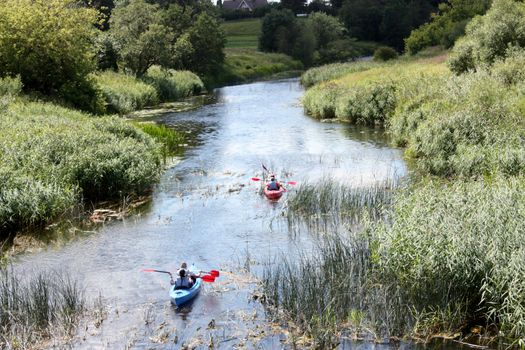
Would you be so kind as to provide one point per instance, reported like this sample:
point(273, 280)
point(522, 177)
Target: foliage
point(446, 26)
point(388, 22)
point(275, 26)
point(147, 34)
point(125, 93)
point(208, 40)
point(49, 44)
point(333, 71)
point(36, 306)
point(325, 28)
point(52, 157)
point(384, 53)
point(242, 65)
point(489, 37)
point(171, 84)
point(139, 36)
point(297, 6)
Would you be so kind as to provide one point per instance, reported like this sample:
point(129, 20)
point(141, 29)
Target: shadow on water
point(207, 211)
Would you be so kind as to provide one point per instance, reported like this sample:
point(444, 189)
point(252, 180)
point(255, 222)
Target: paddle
point(205, 278)
point(214, 273)
point(288, 182)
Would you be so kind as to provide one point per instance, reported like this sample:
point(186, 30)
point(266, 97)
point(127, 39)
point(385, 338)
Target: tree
point(297, 6)
point(140, 37)
point(362, 18)
point(277, 21)
point(325, 28)
point(49, 43)
point(208, 40)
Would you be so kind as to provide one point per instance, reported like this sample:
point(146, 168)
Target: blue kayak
point(181, 296)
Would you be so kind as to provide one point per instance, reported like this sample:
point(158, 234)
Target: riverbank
point(448, 261)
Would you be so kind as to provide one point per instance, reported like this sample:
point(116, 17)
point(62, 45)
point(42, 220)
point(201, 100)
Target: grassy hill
point(242, 33)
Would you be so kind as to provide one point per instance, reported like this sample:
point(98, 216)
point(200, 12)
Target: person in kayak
point(273, 185)
point(185, 278)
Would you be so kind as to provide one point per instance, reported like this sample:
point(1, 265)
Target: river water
point(207, 211)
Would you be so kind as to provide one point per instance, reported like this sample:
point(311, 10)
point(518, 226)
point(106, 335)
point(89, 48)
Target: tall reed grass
point(330, 201)
point(36, 308)
point(449, 257)
point(172, 85)
point(125, 93)
point(53, 158)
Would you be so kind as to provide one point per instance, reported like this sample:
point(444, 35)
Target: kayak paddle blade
point(208, 278)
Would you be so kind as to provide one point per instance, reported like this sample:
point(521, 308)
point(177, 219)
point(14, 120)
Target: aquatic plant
point(170, 139)
point(53, 158)
point(172, 84)
point(125, 93)
point(34, 308)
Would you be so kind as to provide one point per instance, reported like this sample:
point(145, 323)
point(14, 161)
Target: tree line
point(54, 45)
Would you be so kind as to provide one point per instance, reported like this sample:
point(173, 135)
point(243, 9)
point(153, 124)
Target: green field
point(242, 33)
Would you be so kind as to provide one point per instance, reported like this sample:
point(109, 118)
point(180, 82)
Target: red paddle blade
point(215, 273)
point(148, 270)
point(208, 278)
point(255, 179)
point(292, 182)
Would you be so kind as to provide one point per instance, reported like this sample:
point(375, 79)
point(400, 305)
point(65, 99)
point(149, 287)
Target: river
point(207, 211)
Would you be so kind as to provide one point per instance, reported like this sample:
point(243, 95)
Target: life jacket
point(183, 282)
point(273, 186)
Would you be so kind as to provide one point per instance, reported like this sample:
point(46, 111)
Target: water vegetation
point(38, 307)
point(449, 260)
point(54, 158)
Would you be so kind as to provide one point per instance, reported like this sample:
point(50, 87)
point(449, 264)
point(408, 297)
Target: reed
point(36, 307)
point(330, 201)
point(125, 93)
point(53, 158)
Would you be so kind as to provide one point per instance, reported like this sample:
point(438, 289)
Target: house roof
point(243, 4)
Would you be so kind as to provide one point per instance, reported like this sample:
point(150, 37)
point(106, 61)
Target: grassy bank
point(125, 93)
point(54, 159)
point(244, 65)
point(449, 259)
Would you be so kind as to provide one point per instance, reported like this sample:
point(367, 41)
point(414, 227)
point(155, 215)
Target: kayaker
point(185, 278)
point(273, 185)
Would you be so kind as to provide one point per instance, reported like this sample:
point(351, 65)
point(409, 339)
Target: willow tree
point(50, 45)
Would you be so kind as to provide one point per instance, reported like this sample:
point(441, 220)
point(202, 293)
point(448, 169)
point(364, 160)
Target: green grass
point(36, 308)
point(125, 93)
point(242, 33)
point(242, 65)
point(170, 139)
point(53, 158)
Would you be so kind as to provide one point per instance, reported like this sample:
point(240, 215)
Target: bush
point(171, 84)
point(53, 157)
point(385, 53)
point(49, 44)
point(489, 37)
point(125, 93)
point(446, 26)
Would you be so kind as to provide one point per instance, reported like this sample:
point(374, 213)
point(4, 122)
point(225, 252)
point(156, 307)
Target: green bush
point(461, 243)
point(50, 45)
point(125, 93)
point(53, 157)
point(489, 37)
point(446, 26)
point(171, 84)
point(385, 53)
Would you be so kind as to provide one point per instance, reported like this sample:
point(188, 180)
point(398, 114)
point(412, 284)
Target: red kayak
point(273, 194)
